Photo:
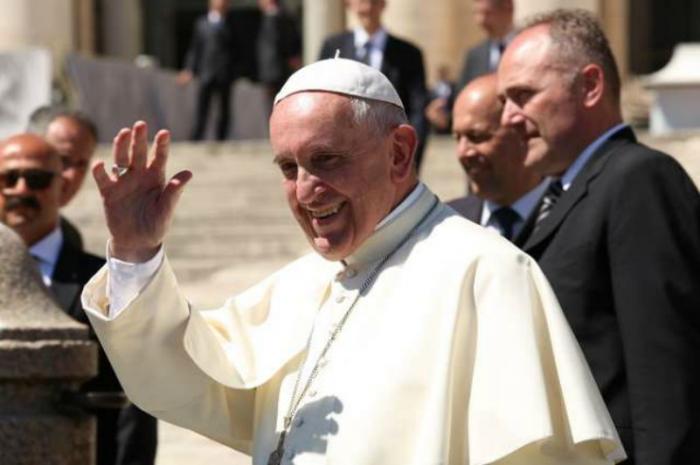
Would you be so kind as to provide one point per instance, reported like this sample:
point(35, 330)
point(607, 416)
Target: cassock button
point(350, 272)
point(323, 362)
point(340, 299)
point(313, 393)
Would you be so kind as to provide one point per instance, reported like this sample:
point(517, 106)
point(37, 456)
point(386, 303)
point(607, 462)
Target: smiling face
point(492, 155)
point(542, 99)
point(340, 181)
point(31, 212)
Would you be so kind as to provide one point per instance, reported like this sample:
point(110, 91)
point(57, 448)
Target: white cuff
point(127, 280)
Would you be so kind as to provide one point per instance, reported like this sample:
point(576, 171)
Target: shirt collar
point(214, 17)
point(507, 39)
point(394, 227)
point(47, 251)
point(523, 206)
point(378, 39)
point(570, 174)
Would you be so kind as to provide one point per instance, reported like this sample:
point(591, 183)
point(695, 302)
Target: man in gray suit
point(503, 192)
point(495, 18)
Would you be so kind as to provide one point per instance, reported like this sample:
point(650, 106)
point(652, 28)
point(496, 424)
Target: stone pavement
point(232, 228)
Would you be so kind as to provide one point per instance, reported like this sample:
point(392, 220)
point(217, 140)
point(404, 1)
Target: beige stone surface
point(233, 228)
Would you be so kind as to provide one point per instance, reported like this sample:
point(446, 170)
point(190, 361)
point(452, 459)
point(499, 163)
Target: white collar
point(214, 17)
point(405, 203)
point(523, 206)
point(570, 174)
point(47, 250)
point(394, 227)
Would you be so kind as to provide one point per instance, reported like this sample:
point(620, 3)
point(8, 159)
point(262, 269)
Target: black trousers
point(208, 90)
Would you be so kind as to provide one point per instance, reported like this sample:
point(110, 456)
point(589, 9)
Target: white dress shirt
point(46, 251)
point(378, 44)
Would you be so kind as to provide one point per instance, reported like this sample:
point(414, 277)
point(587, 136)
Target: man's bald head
point(30, 146)
point(480, 98)
point(31, 186)
point(491, 155)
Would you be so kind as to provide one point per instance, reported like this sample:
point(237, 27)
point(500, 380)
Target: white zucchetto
point(341, 76)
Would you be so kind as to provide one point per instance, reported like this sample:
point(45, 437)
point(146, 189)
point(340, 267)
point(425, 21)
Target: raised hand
point(138, 203)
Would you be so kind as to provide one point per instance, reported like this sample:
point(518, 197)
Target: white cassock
point(458, 354)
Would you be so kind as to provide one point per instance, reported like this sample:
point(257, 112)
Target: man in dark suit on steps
point(399, 60)
point(617, 234)
point(31, 190)
point(211, 59)
point(503, 192)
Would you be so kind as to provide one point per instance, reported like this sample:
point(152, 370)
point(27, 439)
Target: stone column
point(441, 29)
point(121, 28)
point(85, 26)
point(43, 355)
point(321, 18)
point(38, 23)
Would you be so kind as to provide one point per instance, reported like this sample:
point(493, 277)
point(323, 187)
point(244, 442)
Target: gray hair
point(42, 117)
point(579, 39)
point(378, 117)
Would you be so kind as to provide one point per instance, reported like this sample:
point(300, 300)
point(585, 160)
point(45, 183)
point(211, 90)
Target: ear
point(404, 145)
point(64, 196)
point(593, 85)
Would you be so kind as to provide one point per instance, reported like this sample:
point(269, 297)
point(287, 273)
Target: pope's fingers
point(161, 147)
point(100, 175)
point(139, 145)
point(175, 187)
point(120, 147)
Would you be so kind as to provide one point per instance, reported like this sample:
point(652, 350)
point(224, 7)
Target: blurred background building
point(99, 48)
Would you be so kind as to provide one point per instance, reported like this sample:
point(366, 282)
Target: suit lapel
point(578, 189)
point(388, 68)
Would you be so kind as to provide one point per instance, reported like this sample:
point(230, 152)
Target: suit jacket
point(476, 63)
point(71, 233)
point(126, 436)
point(621, 249)
point(210, 56)
point(278, 41)
point(403, 65)
point(472, 206)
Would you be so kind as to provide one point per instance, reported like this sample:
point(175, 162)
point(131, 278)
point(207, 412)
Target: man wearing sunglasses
point(31, 192)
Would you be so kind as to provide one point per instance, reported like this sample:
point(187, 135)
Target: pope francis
point(409, 337)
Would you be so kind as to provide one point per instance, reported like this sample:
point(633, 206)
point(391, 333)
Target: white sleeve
point(127, 280)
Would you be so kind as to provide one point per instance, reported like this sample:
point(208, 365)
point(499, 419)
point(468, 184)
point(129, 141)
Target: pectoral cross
point(276, 455)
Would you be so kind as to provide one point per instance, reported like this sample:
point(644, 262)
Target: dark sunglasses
point(36, 179)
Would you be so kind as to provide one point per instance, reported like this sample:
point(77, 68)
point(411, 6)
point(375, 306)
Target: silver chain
point(295, 401)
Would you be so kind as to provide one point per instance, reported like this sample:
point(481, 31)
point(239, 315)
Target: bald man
point(32, 189)
point(503, 192)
